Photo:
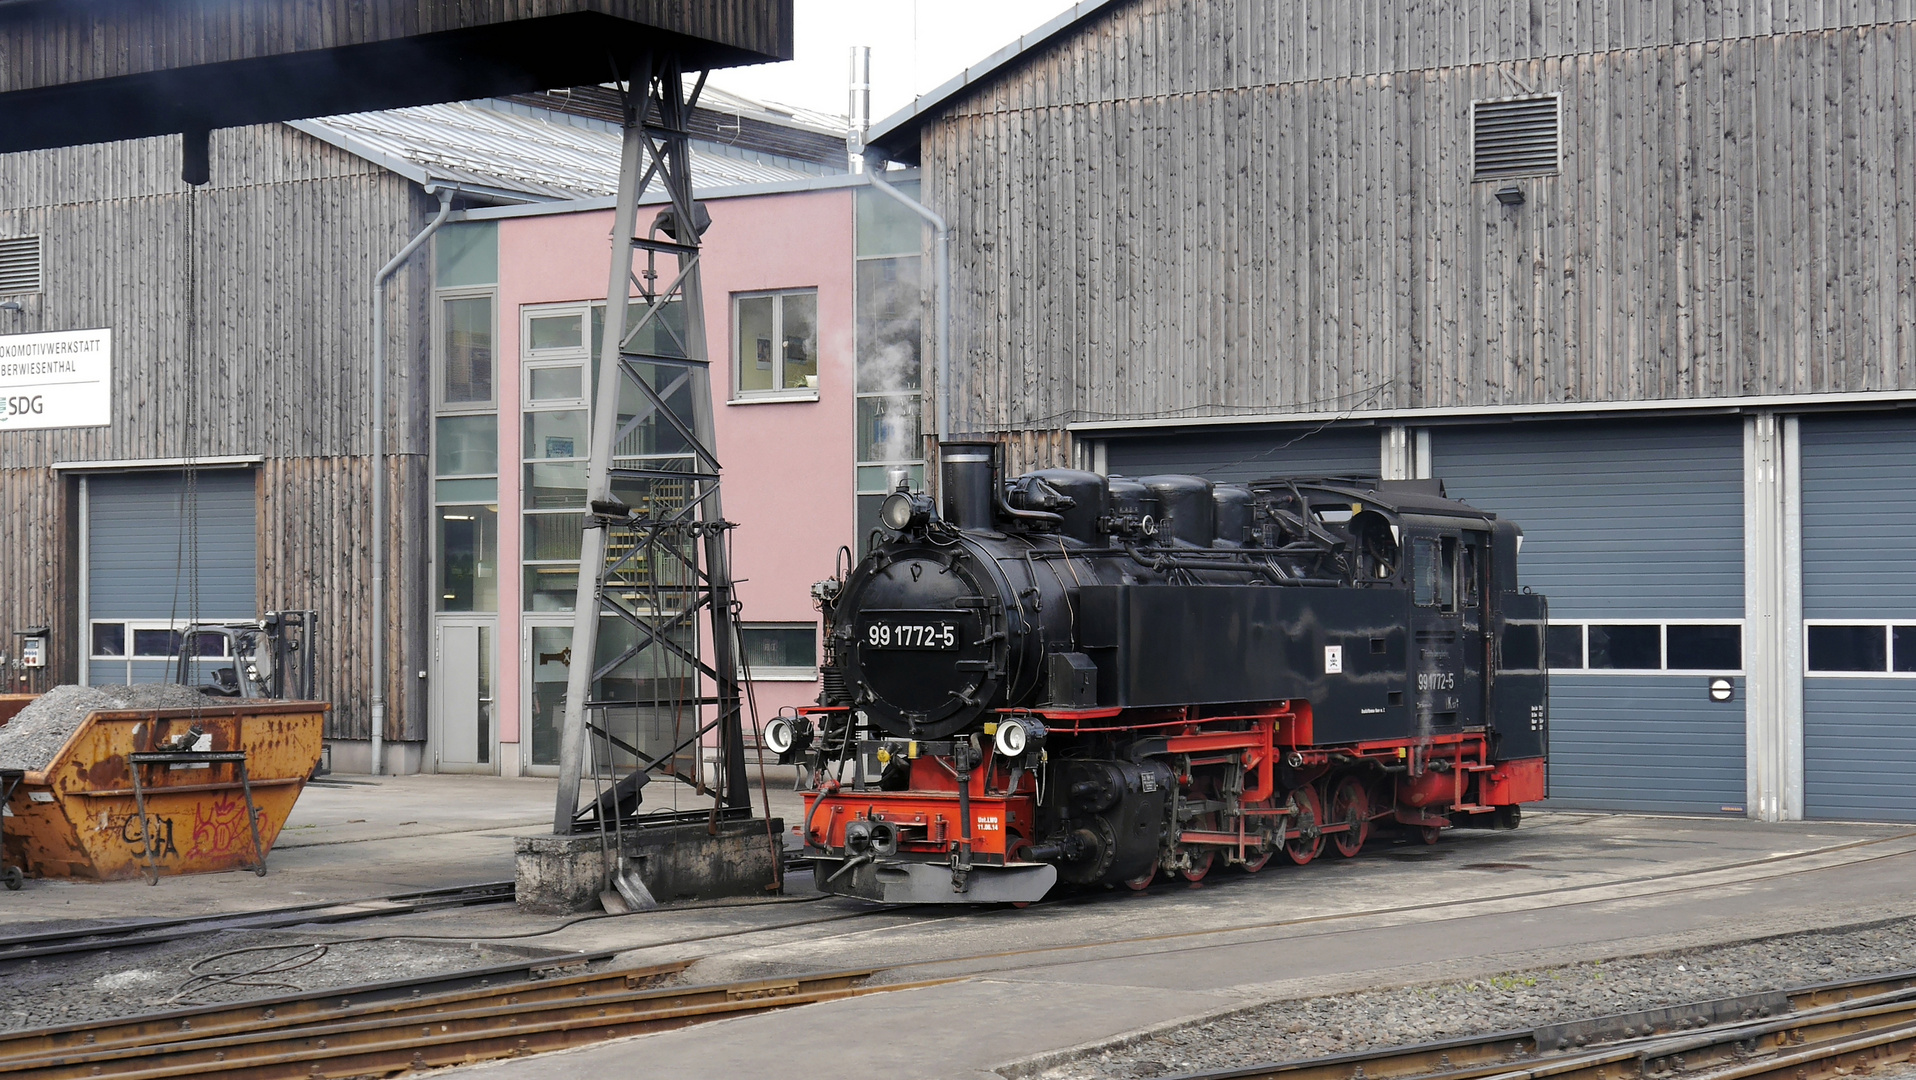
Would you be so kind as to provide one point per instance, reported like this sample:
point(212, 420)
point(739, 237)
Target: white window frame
point(1663, 646)
point(779, 392)
point(155, 624)
point(781, 674)
point(531, 360)
point(1889, 649)
point(439, 298)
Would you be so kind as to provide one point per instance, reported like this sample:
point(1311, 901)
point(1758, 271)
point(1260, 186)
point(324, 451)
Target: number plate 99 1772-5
point(911, 634)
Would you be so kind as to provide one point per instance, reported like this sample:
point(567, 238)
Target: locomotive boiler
point(1067, 677)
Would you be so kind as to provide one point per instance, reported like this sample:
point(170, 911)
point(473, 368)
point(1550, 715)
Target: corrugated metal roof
point(516, 156)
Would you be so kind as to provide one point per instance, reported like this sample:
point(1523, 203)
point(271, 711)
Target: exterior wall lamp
point(1510, 195)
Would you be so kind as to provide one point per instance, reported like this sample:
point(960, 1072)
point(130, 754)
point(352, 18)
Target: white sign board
point(56, 380)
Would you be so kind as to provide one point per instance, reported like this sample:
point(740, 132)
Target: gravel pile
point(32, 737)
point(1287, 1030)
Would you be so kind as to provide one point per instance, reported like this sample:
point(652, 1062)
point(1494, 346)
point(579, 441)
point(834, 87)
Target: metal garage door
point(139, 580)
point(1239, 457)
point(1635, 532)
point(1859, 607)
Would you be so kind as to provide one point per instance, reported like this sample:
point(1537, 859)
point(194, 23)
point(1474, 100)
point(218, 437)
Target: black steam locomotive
point(1069, 677)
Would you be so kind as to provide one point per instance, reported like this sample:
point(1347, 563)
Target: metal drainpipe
point(379, 464)
point(944, 293)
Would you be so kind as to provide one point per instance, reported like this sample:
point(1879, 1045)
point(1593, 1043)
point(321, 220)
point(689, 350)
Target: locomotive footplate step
point(904, 882)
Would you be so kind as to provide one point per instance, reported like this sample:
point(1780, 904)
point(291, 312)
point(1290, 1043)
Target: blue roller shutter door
point(1859, 570)
point(137, 556)
point(1243, 456)
point(1637, 522)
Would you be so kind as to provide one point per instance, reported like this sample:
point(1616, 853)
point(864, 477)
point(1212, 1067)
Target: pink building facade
point(780, 279)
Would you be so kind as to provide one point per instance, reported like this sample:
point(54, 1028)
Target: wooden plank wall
point(52, 44)
point(287, 239)
point(1261, 206)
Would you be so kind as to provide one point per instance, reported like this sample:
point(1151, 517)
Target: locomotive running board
point(930, 883)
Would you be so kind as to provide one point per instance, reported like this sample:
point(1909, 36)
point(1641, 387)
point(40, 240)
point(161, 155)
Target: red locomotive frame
point(1339, 790)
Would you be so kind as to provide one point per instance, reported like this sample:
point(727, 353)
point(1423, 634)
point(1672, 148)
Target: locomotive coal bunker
point(1069, 677)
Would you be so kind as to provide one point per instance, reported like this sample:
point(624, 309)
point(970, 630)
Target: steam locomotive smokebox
point(563, 874)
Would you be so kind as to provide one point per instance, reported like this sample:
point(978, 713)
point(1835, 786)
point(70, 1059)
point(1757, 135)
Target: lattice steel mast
point(655, 552)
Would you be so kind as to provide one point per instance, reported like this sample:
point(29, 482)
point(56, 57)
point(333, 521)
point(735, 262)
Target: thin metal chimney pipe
point(860, 111)
point(379, 464)
point(944, 295)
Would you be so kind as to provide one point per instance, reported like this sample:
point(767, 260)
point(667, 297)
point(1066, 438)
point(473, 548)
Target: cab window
point(1433, 572)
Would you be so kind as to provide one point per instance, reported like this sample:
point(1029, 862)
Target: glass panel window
point(779, 652)
point(1703, 648)
point(560, 435)
point(553, 536)
point(109, 639)
point(1903, 647)
point(546, 332)
point(551, 649)
point(798, 330)
point(1433, 564)
point(551, 587)
point(157, 644)
point(467, 446)
point(467, 569)
point(466, 376)
point(1848, 648)
point(1633, 648)
point(888, 428)
point(756, 324)
point(477, 489)
point(1565, 644)
point(555, 486)
point(775, 342)
point(467, 254)
point(564, 383)
point(890, 336)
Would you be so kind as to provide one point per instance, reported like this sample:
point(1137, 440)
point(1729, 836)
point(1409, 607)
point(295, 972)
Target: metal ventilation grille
point(1514, 138)
point(19, 264)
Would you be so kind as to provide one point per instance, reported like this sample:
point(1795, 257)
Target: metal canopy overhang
point(73, 72)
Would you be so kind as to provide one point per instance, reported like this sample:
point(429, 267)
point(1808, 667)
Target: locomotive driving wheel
point(1309, 843)
point(1350, 807)
point(1197, 859)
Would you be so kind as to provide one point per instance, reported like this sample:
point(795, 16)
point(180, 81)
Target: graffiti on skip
point(160, 829)
point(219, 827)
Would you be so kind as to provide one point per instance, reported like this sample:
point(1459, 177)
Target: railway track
point(156, 931)
point(336, 1035)
point(1832, 1029)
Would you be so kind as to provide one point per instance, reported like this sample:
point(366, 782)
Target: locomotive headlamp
point(905, 510)
point(779, 735)
point(1016, 736)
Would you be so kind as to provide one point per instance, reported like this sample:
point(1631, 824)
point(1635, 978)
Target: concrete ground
point(1033, 983)
point(1038, 982)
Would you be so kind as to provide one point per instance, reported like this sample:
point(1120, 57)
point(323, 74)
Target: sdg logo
point(21, 406)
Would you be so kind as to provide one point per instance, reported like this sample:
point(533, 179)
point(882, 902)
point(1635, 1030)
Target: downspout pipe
point(943, 290)
point(379, 464)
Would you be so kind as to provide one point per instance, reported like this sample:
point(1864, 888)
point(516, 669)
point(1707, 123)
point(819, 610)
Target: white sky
point(916, 45)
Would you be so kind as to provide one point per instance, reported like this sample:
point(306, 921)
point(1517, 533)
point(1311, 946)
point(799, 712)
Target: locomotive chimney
point(965, 480)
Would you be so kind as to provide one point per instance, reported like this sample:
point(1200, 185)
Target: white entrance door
point(463, 730)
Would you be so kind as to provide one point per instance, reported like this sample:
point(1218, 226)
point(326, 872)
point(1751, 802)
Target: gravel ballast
point(1346, 1023)
point(37, 732)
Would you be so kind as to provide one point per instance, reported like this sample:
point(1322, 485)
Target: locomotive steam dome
point(918, 641)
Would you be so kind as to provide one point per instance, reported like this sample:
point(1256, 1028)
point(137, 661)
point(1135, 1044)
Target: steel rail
point(1822, 1021)
point(157, 931)
point(474, 1027)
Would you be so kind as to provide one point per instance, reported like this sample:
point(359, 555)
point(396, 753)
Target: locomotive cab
point(1070, 678)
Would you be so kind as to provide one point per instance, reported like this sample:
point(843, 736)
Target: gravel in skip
point(37, 732)
point(131, 981)
point(1288, 1030)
